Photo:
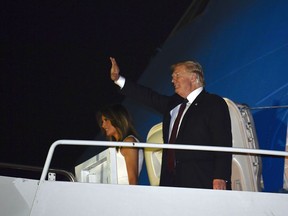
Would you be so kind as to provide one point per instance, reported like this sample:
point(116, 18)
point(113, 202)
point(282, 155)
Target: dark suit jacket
point(206, 122)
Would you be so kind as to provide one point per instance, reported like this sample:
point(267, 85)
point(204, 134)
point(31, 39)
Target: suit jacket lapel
point(175, 100)
point(198, 100)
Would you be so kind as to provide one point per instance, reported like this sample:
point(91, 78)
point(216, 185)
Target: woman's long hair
point(120, 119)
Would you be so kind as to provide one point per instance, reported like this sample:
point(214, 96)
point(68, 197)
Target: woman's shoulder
point(131, 138)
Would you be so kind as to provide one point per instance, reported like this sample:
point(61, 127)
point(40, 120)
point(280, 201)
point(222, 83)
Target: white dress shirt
point(191, 97)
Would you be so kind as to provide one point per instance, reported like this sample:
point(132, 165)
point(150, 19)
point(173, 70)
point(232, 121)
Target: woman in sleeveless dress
point(116, 124)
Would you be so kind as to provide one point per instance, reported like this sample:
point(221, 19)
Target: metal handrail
point(65, 173)
point(269, 107)
point(153, 145)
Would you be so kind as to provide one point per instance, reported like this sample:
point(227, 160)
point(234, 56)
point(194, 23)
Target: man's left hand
point(219, 184)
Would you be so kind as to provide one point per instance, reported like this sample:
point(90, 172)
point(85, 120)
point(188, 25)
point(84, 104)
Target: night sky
point(55, 66)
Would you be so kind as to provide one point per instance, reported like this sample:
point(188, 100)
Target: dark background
point(55, 67)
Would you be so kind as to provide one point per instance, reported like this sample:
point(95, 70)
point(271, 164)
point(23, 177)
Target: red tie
point(170, 152)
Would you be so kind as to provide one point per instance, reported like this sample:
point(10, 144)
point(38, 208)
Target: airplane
point(243, 48)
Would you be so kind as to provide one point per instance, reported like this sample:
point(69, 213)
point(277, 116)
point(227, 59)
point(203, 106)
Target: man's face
point(182, 81)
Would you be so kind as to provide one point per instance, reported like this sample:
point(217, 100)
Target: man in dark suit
point(205, 121)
